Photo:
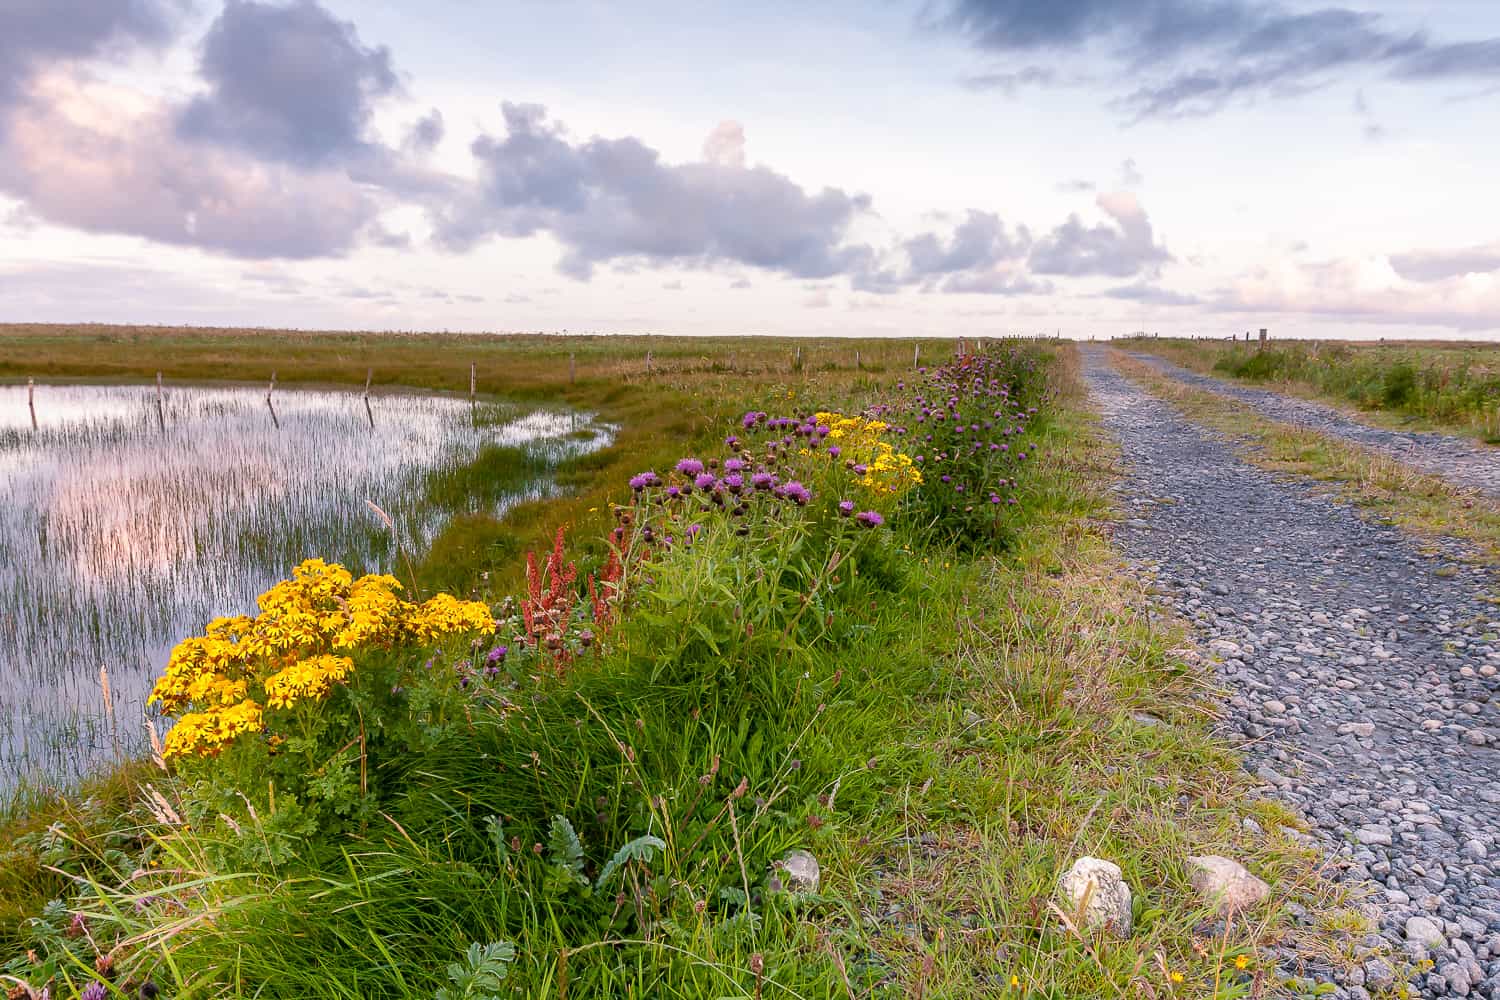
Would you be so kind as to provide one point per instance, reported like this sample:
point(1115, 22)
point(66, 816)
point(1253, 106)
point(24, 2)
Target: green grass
point(1454, 387)
point(946, 732)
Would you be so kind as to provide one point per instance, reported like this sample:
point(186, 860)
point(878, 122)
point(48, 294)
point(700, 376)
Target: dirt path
point(1459, 460)
point(1363, 675)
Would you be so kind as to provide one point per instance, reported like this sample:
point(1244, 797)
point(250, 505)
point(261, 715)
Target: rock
point(1426, 932)
point(1457, 977)
point(1379, 973)
point(1359, 729)
point(798, 871)
point(1225, 648)
point(1274, 707)
point(1094, 893)
point(1373, 834)
point(1226, 883)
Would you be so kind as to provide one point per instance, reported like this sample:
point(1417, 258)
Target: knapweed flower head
point(94, 991)
point(869, 518)
point(796, 492)
point(644, 480)
point(846, 508)
point(690, 467)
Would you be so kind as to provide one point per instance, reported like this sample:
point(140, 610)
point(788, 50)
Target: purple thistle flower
point(796, 492)
point(731, 442)
point(735, 465)
point(705, 481)
point(846, 508)
point(643, 480)
point(835, 450)
point(763, 481)
point(734, 483)
point(689, 466)
point(497, 654)
point(674, 492)
point(861, 468)
point(869, 518)
point(94, 991)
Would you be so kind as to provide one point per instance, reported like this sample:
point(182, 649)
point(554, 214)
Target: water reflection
point(128, 520)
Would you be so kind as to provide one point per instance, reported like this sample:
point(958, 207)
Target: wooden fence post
point(31, 400)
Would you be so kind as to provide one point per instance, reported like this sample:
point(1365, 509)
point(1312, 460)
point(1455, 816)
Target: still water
point(129, 520)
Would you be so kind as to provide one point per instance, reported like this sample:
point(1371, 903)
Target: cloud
point(425, 134)
point(1436, 265)
point(1074, 186)
point(1195, 56)
point(1121, 250)
point(1011, 83)
point(616, 200)
point(1130, 174)
point(725, 145)
point(35, 34)
point(84, 155)
point(1366, 290)
point(287, 83)
point(1150, 295)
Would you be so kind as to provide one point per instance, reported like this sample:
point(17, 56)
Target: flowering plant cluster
point(234, 679)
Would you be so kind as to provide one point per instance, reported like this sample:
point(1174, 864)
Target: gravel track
point(1459, 460)
point(1363, 675)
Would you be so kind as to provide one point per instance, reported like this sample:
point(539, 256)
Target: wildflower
point(869, 518)
point(94, 991)
point(705, 481)
point(735, 465)
point(835, 451)
point(690, 467)
point(497, 654)
point(1176, 977)
point(1242, 962)
point(644, 480)
point(1015, 982)
point(846, 508)
point(763, 481)
point(796, 492)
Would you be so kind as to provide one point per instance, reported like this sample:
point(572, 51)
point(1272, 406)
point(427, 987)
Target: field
point(1449, 386)
point(806, 598)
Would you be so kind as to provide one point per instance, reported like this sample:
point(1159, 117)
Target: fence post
point(572, 368)
point(31, 400)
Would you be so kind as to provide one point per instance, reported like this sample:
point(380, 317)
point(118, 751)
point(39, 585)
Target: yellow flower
point(1015, 982)
point(1242, 961)
point(1176, 977)
point(306, 679)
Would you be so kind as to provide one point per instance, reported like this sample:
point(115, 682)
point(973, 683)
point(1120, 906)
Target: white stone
point(1226, 883)
point(1094, 893)
point(798, 871)
point(1426, 932)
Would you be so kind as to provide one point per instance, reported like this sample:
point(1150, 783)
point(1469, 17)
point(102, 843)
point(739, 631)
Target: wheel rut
point(1462, 462)
point(1362, 670)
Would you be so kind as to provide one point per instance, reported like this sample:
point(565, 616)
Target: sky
point(873, 168)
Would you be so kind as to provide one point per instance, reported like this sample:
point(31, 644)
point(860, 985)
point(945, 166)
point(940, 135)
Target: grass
point(958, 728)
point(1449, 387)
point(1376, 483)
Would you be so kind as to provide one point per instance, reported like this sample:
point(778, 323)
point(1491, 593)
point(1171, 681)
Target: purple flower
point(497, 654)
point(796, 492)
point(674, 492)
point(846, 508)
point(860, 469)
point(644, 480)
point(731, 442)
point(835, 450)
point(94, 991)
point(750, 419)
point(689, 466)
point(762, 480)
point(735, 465)
point(869, 518)
point(705, 481)
point(734, 483)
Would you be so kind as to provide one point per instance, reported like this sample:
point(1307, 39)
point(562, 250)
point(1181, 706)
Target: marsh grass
point(1376, 483)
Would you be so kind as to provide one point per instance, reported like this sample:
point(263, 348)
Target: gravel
point(1461, 461)
point(1362, 676)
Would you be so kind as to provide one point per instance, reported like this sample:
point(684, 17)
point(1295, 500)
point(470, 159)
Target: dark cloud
point(615, 200)
point(1197, 55)
point(1436, 265)
point(1122, 248)
point(34, 33)
point(1150, 295)
point(426, 133)
point(288, 83)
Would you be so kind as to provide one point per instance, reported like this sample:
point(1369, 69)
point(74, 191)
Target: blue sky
point(934, 168)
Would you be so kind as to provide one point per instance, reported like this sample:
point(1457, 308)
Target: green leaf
point(640, 849)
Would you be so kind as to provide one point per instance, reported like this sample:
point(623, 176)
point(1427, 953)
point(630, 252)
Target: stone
point(1226, 883)
point(1373, 834)
point(1425, 931)
point(798, 871)
point(1379, 973)
point(1094, 893)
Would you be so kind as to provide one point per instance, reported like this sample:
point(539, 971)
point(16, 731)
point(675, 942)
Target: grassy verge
point(947, 730)
point(1454, 388)
point(1422, 503)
